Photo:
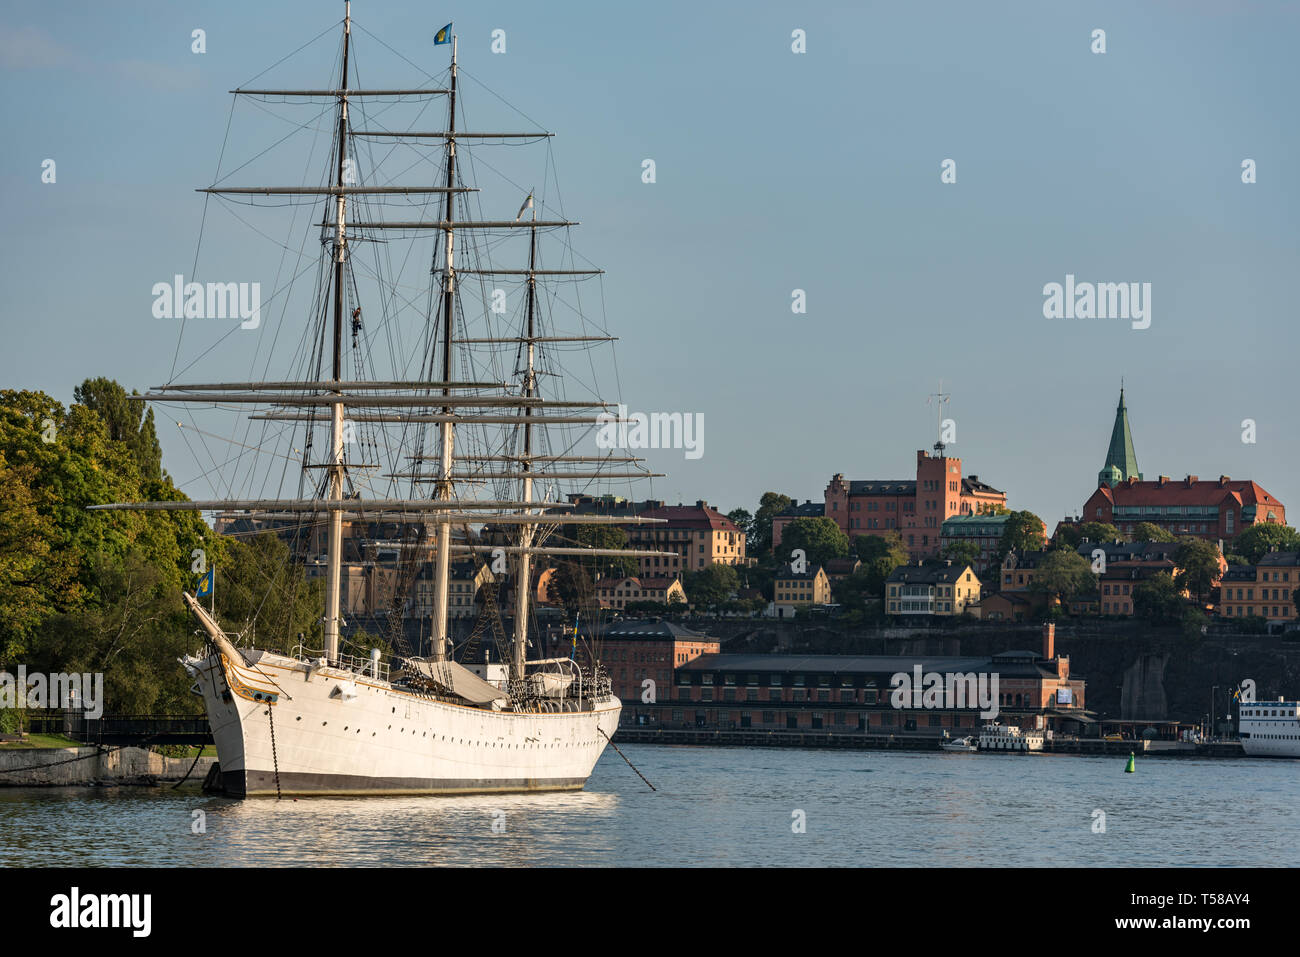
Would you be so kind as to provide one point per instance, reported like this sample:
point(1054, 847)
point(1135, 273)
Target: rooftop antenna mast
point(940, 399)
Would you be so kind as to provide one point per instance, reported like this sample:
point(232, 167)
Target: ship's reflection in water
point(508, 830)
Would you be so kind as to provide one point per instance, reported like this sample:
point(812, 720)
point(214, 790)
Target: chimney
point(1049, 641)
point(1164, 479)
point(1192, 480)
point(1223, 480)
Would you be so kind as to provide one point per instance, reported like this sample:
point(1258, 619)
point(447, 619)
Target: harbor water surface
point(713, 807)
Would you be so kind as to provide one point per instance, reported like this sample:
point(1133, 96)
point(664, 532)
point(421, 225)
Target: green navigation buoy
point(1131, 767)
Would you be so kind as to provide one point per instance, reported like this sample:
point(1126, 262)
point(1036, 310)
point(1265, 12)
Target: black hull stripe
point(263, 784)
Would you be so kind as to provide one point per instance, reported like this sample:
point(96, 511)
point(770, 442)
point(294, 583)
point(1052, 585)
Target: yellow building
point(698, 535)
point(933, 589)
point(618, 593)
point(1265, 589)
point(792, 590)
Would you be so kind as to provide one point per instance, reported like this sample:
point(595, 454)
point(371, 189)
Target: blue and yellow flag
point(206, 583)
point(442, 36)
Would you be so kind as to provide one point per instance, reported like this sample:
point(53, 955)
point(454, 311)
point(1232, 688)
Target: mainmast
point(446, 432)
point(334, 547)
point(526, 531)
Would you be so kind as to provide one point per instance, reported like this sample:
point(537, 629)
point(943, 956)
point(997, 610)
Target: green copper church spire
point(1121, 460)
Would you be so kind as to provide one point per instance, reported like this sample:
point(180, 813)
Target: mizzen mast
point(526, 531)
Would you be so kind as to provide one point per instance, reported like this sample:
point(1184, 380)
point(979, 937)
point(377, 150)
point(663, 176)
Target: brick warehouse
point(848, 693)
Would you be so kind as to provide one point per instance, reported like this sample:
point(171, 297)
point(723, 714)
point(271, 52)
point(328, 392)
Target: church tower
point(1121, 460)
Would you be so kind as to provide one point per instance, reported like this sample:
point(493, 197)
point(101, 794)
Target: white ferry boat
point(1004, 737)
point(1270, 729)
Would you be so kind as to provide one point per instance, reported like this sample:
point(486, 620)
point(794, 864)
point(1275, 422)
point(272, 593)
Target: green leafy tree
point(1256, 541)
point(1198, 567)
point(607, 537)
point(711, 585)
point(131, 629)
point(769, 506)
point(1157, 599)
point(1064, 575)
point(744, 521)
point(1067, 536)
point(873, 547)
point(1022, 532)
point(1098, 532)
point(1151, 532)
point(262, 594)
point(963, 553)
point(56, 463)
point(573, 587)
point(880, 555)
point(128, 421)
point(820, 538)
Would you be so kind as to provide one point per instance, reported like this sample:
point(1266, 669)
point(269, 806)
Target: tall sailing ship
point(329, 722)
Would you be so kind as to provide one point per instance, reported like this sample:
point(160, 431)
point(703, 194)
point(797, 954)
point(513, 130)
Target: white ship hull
point(285, 726)
point(1013, 740)
point(1270, 729)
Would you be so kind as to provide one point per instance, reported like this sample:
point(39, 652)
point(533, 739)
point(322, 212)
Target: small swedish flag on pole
point(442, 36)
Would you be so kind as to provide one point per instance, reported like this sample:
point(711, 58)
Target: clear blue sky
point(775, 171)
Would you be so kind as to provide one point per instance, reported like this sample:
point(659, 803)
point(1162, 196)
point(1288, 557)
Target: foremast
point(446, 435)
point(334, 543)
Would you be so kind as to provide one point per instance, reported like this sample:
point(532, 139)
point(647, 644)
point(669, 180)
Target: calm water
point(715, 806)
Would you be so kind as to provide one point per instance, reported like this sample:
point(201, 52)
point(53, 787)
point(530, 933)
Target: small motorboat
point(958, 744)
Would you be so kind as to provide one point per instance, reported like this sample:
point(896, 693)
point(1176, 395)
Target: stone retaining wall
point(53, 767)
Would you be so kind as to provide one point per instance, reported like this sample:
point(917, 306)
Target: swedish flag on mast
point(442, 36)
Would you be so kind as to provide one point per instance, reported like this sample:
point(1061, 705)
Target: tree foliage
point(1151, 532)
point(1198, 563)
point(99, 591)
point(1023, 532)
point(711, 586)
point(769, 506)
point(1158, 600)
point(1256, 541)
point(54, 463)
point(1098, 532)
point(963, 553)
point(1064, 575)
point(820, 538)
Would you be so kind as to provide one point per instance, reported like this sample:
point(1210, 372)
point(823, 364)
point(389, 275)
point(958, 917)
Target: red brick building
point(1217, 509)
point(634, 651)
point(915, 508)
point(1214, 509)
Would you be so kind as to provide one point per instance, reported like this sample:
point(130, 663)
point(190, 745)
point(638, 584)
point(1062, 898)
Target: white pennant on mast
point(528, 204)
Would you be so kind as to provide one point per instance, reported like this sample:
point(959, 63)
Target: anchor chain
point(275, 758)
